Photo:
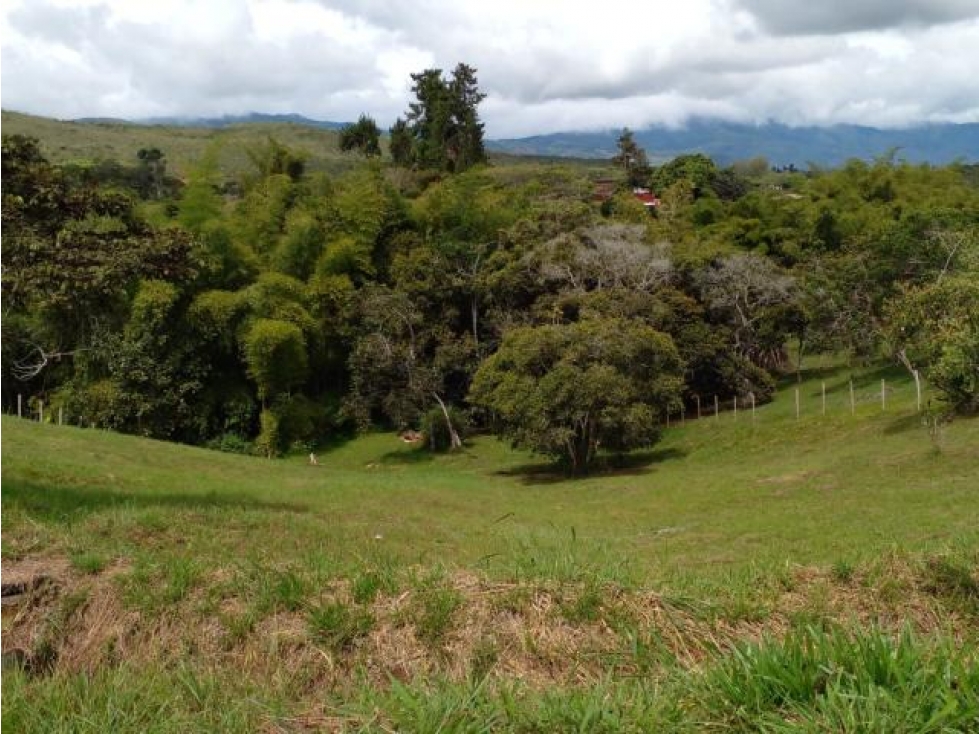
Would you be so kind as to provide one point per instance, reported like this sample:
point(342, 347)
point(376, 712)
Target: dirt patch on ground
point(544, 634)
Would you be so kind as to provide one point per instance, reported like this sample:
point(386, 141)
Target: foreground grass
point(809, 681)
point(814, 574)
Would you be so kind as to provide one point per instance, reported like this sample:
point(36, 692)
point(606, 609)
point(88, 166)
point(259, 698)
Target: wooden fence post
point(824, 398)
point(717, 413)
point(853, 404)
point(883, 394)
point(20, 403)
point(797, 403)
point(735, 407)
point(752, 406)
point(61, 416)
point(697, 398)
point(917, 389)
point(40, 411)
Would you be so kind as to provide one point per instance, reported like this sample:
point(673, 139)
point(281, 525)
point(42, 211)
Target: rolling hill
point(67, 141)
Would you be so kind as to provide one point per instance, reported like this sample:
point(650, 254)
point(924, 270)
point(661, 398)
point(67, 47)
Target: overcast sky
point(546, 65)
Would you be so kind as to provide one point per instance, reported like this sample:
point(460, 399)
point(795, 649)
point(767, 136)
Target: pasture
point(751, 572)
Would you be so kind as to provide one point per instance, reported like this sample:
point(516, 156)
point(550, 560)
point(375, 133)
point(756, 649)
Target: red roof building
point(647, 197)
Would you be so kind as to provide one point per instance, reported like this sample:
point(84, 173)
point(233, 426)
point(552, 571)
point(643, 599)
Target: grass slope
point(66, 142)
point(778, 574)
point(714, 493)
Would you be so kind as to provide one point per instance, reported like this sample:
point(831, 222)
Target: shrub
point(436, 431)
point(231, 443)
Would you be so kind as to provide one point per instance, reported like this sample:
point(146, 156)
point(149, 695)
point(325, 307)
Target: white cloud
point(546, 65)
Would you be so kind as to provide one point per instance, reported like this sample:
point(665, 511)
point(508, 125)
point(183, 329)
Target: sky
point(546, 66)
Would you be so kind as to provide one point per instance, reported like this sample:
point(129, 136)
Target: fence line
point(825, 405)
point(820, 403)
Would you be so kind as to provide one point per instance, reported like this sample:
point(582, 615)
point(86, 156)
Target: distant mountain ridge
point(224, 120)
point(782, 145)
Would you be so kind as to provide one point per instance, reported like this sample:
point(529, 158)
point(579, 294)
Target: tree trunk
point(454, 441)
point(903, 358)
point(798, 364)
point(475, 317)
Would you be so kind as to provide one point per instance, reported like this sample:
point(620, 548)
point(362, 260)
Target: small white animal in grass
point(313, 461)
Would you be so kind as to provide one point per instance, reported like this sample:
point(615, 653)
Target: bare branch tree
point(607, 256)
point(37, 358)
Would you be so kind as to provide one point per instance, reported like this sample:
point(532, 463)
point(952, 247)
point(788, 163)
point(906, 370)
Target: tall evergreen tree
point(632, 159)
point(402, 143)
point(442, 123)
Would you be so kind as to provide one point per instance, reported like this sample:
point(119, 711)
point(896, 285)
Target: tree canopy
point(286, 306)
point(363, 136)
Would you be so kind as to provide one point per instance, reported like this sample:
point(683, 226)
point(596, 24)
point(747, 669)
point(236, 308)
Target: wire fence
point(854, 397)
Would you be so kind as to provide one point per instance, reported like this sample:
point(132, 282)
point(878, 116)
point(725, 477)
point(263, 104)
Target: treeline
point(291, 307)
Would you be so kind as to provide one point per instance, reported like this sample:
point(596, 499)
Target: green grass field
point(389, 589)
point(72, 142)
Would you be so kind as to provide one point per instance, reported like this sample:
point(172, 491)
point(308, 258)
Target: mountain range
point(225, 120)
point(782, 145)
point(725, 142)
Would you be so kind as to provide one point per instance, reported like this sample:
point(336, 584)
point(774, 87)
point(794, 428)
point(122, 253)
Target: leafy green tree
point(362, 136)
point(567, 390)
point(200, 202)
point(275, 159)
point(400, 365)
point(223, 262)
point(713, 366)
point(156, 368)
point(695, 168)
point(935, 328)
point(73, 256)
point(275, 355)
point(151, 173)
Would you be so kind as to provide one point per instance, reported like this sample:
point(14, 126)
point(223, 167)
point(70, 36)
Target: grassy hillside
point(707, 582)
point(64, 142)
point(713, 494)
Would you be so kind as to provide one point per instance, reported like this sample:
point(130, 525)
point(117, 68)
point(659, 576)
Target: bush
point(231, 443)
point(936, 328)
point(436, 431)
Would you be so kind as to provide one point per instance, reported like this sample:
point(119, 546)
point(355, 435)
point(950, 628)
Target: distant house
point(605, 189)
point(647, 197)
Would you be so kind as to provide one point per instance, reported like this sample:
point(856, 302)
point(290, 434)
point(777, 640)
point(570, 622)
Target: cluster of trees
point(292, 305)
point(440, 131)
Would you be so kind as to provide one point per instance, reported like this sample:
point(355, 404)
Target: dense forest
point(428, 290)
